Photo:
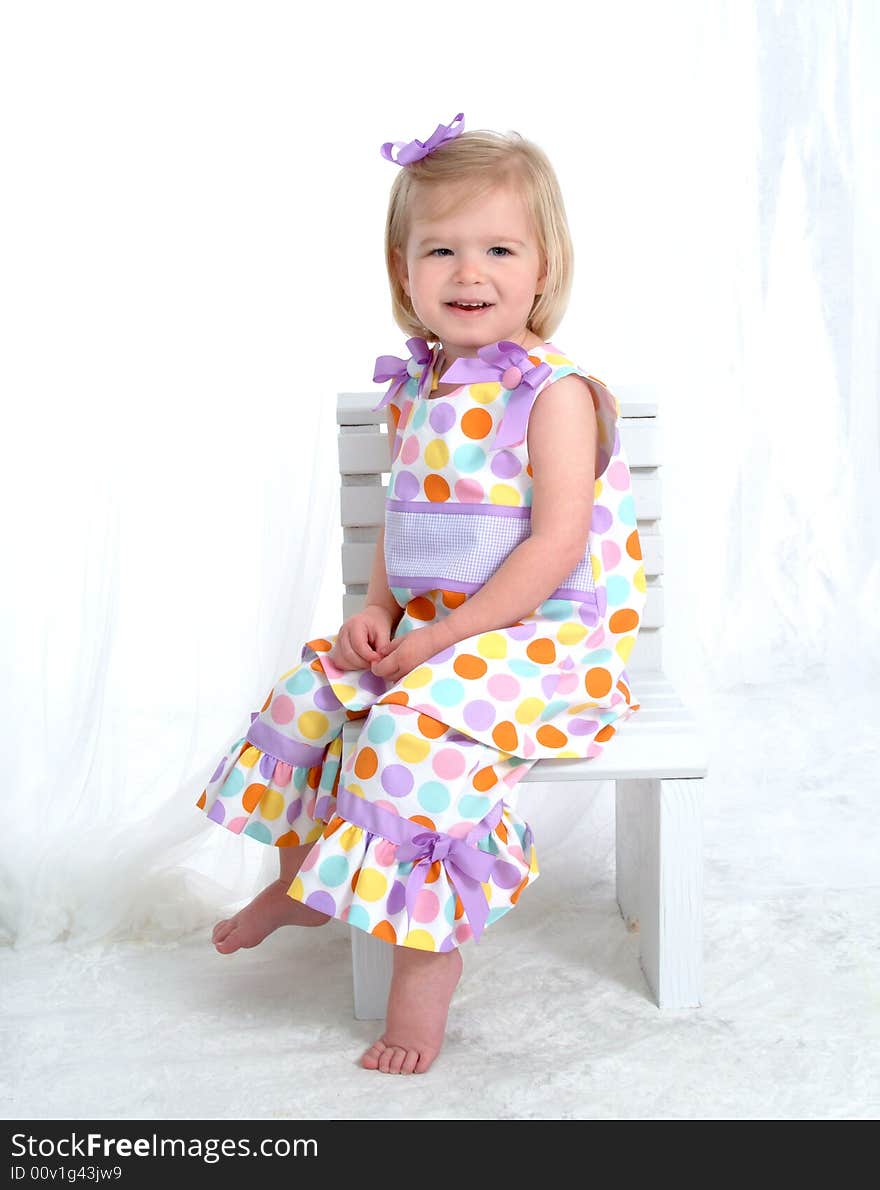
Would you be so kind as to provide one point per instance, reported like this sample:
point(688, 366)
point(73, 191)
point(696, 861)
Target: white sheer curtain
point(192, 268)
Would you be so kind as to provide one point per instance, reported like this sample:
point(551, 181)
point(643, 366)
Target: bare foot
point(418, 1004)
point(268, 910)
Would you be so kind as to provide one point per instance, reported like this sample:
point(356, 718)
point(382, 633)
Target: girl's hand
point(405, 653)
point(362, 639)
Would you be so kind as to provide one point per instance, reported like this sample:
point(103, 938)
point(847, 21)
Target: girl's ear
point(400, 269)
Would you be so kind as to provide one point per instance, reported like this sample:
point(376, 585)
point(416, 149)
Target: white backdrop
point(191, 267)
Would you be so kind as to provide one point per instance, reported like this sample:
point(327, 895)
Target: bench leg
point(371, 962)
point(659, 849)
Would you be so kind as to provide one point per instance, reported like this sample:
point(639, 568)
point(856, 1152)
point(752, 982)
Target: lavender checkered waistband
point(458, 547)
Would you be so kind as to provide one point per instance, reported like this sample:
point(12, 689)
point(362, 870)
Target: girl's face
point(485, 252)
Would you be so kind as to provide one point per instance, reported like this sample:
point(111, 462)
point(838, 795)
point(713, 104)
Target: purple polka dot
point(217, 813)
point(293, 811)
point(396, 898)
point(372, 683)
point(602, 600)
point(505, 464)
point(588, 615)
point(218, 770)
point(582, 726)
point(406, 486)
point(549, 684)
point(441, 417)
point(456, 737)
point(447, 944)
point(522, 631)
point(267, 767)
point(505, 875)
point(322, 901)
point(397, 780)
point(601, 521)
point(443, 655)
point(325, 699)
point(479, 714)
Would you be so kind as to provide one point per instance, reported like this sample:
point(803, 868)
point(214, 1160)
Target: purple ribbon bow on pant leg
point(467, 868)
point(398, 371)
point(509, 364)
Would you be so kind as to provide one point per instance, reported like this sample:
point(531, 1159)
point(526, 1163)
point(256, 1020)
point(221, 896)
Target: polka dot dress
point(417, 840)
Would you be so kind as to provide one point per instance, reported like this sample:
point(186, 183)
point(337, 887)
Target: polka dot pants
point(415, 839)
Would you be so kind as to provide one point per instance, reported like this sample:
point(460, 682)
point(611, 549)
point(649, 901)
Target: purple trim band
point(466, 866)
point(292, 752)
point(419, 584)
point(429, 506)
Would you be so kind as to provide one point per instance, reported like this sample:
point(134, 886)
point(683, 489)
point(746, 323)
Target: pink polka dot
point(427, 906)
point(310, 806)
point(459, 829)
point(468, 491)
point(237, 825)
point(594, 750)
point(567, 683)
point(462, 932)
point(311, 858)
point(385, 853)
point(597, 638)
point(504, 687)
point(610, 554)
point(282, 775)
point(618, 476)
point(517, 852)
point(390, 806)
point(409, 452)
point(448, 763)
point(281, 709)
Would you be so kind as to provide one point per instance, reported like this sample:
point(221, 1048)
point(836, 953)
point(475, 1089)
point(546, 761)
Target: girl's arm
point(562, 447)
point(378, 591)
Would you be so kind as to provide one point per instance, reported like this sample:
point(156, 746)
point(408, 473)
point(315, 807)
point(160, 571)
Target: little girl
point(505, 600)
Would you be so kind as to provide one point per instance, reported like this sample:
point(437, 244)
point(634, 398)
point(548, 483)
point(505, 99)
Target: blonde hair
point(477, 162)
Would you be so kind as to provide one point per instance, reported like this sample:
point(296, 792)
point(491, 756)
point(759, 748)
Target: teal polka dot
point(489, 845)
point(300, 777)
point(521, 832)
point(358, 916)
point(494, 914)
point(235, 747)
point(380, 729)
point(558, 609)
point(418, 418)
point(527, 501)
point(233, 785)
point(328, 773)
point(433, 797)
point(523, 668)
point(617, 588)
point(597, 657)
point(608, 717)
point(449, 910)
point(405, 869)
point(469, 457)
point(333, 870)
point(627, 510)
point(448, 692)
point(303, 680)
point(473, 807)
point(401, 594)
point(553, 709)
point(258, 831)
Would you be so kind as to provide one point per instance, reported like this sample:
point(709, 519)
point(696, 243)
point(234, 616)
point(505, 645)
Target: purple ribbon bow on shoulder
point(509, 364)
point(398, 371)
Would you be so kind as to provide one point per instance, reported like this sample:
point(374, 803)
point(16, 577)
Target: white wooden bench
point(657, 759)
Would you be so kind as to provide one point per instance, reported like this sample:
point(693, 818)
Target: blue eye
point(497, 248)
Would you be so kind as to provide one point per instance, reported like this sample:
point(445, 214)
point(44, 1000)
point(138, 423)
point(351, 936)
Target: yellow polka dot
point(487, 891)
point(503, 493)
point(314, 833)
point(556, 359)
point(418, 678)
point(313, 724)
point(529, 710)
point(287, 675)
point(358, 790)
point(296, 890)
point(570, 633)
point(371, 885)
point(343, 691)
point(560, 755)
point(485, 392)
point(271, 804)
point(420, 940)
point(436, 454)
point(596, 567)
point(411, 749)
point(492, 644)
point(533, 861)
point(624, 647)
point(249, 757)
point(639, 581)
point(351, 837)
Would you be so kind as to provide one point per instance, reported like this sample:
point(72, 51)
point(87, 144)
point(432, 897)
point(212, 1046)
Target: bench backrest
point(363, 470)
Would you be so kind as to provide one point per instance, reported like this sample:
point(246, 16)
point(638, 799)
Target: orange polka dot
point(542, 651)
point(313, 776)
point(430, 728)
point(623, 688)
point(452, 599)
point(420, 608)
point(319, 645)
point(356, 875)
point(290, 839)
point(514, 896)
point(202, 800)
point(535, 359)
point(436, 488)
point(597, 682)
point(484, 779)
point(634, 545)
point(386, 931)
point(266, 703)
point(605, 734)
point(624, 620)
point(529, 470)
point(459, 908)
point(551, 737)
point(355, 715)
point(501, 832)
point(394, 413)
point(504, 736)
point(366, 762)
point(477, 423)
point(466, 665)
point(333, 825)
point(433, 872)
point(398, 697)
point(316, 665)
point(425, 821)
point(251, 797)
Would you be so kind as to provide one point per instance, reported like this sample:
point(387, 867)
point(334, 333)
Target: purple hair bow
point(398, 371)
point(509, 364)
point(415, 150)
